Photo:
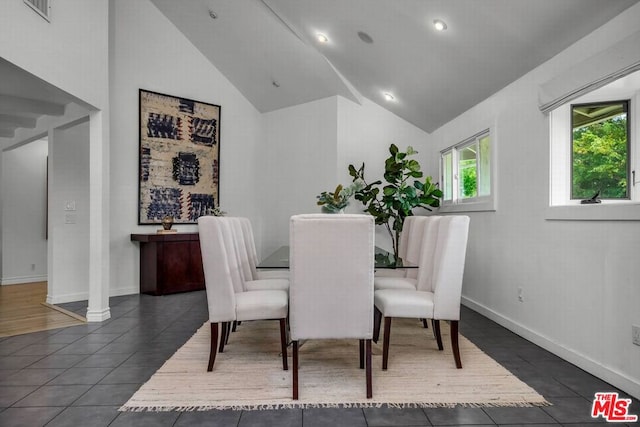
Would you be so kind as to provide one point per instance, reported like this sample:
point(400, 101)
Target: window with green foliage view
point(600, 150)
point(466, 170)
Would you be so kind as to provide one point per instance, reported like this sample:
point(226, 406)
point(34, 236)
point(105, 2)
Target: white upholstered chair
point(417, 249)
point(258, 274)
point(402, 250)
point(438, 294)
point(227, 298)
point(331, 282)
point(253, 278)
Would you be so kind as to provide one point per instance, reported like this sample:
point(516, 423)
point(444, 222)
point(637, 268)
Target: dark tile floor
point(79, 376)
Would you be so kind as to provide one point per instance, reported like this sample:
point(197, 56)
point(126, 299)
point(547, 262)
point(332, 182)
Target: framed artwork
point(179, 165)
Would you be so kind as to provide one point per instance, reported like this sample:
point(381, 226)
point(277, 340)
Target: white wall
point(579, 278)
point(308, 150)
point(24, 192)
point(71, 52)
point(76, 37)
point(298, 162)
point(365, 133)
point(148, 52)
point(69, 229)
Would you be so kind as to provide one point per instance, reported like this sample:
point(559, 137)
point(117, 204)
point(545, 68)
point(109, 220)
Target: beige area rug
point(249, 375)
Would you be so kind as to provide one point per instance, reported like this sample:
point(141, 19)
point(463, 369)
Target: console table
point(169, 263)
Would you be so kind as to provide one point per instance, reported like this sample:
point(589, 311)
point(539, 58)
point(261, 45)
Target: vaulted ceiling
point(268, 49)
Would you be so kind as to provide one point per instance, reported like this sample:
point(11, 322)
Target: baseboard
point(98, 315)
point(64, 298)
point(23, 279)
point(117, 292)
point(613, 377)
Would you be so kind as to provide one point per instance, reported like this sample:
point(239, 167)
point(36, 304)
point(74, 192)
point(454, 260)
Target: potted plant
point(400, 195)
point(336, 201)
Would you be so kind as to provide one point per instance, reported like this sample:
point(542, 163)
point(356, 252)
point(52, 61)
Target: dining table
point(279, 259)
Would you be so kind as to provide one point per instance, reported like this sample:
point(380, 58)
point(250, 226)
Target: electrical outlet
point(636, 334)
point(520, 295)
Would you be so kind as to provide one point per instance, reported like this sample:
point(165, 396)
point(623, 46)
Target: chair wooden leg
point(368, 373)
point(223, 337)
point(436, 331)
point(295, 370)
point(425, 324)
point(235, 325)
point(454, 343)
point(214, 346)
point(283, 344)
point(377, 319)
point(226, 339)
point(361, 354)
point(385, 344)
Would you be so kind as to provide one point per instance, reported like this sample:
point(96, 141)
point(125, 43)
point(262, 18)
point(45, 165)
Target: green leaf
point(389, 190)
point(352, 171)
point(413, 165)
point(409, 191)
point(393, 149)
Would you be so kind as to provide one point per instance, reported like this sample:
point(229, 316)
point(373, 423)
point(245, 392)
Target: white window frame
point(561, 206)
point(471, 204)
point(41, 7)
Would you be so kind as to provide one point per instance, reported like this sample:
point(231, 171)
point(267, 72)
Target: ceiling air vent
point(40, 6)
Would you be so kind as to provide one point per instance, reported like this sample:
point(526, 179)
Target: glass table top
point(383, 260)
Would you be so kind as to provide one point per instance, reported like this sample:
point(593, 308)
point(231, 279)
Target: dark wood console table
point(169, 263)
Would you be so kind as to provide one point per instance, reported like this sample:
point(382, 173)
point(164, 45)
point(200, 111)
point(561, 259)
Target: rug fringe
point(302, 405)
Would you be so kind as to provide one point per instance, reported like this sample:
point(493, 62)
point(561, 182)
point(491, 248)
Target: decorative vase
point(167, 222)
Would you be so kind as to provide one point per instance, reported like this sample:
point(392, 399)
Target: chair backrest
point(250, 244)
point(427, 243)
point(331, 276)
point(405, 236)
point(448, 268)
point(411, 239)
point(243, 246)
point(220, 264)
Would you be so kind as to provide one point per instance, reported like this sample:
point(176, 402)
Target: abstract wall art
point(179, 158)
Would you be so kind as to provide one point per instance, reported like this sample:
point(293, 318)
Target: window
point(594, 148)
point(600, 150)
point(466, 173)
point(41, 7)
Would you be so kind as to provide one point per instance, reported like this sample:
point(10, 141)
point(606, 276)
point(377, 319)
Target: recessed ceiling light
point(388, 96)
point(322, 38)
point(439, 25)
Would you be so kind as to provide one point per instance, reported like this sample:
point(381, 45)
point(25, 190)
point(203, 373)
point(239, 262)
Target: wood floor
point(23, 309)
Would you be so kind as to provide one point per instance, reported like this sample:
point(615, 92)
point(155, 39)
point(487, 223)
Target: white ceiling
point(433, 76)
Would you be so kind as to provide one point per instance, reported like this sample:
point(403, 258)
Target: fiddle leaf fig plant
point(400, 194)
point(336, 201)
